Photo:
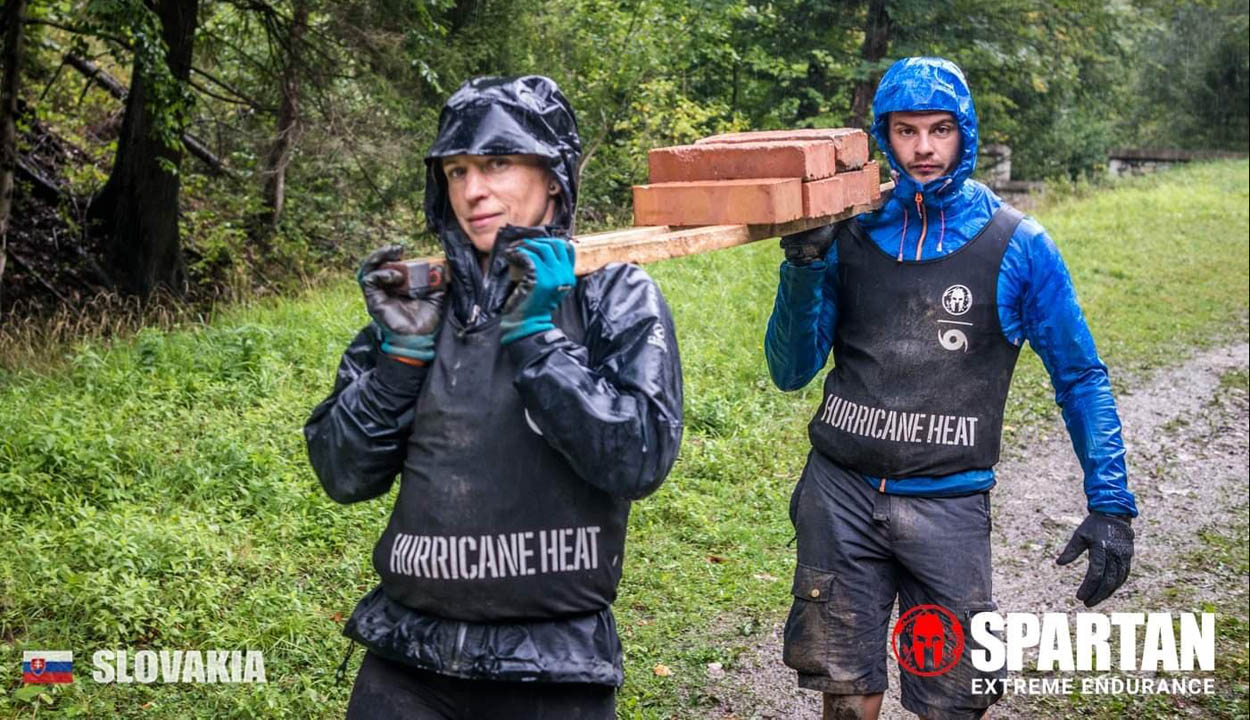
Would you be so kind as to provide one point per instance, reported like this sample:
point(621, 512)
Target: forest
point(207, 150)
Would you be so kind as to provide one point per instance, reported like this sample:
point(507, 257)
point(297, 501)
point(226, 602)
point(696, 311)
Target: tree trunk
point(13, 12)
point(462, 13)
point(288, 125)
point(876, 44)
point(809, 103)
point(95, 74)
point(137, 209)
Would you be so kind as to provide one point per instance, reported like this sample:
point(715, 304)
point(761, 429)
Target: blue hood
point(927, 83)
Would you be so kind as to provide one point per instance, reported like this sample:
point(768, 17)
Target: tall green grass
point(156, 494)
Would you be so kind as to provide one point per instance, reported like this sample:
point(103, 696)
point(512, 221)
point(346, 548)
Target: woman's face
point(490, 191)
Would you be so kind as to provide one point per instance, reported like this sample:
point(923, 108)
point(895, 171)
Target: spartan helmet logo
point(927, 633)
point(957, 299)
point(926, 630)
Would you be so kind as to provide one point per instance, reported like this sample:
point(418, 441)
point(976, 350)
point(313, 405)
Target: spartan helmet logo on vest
point(957, 299)
point(928, 633)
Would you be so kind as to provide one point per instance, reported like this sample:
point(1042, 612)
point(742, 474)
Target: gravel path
point(1187, 443)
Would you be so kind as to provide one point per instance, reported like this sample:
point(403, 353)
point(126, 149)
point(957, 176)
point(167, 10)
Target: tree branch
point(241, 98)
point(115, 88)
point(73, 30)
point(36, 275)
point(43, 186)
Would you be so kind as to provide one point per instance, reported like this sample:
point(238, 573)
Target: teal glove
point(543, 270)
point(407, 319)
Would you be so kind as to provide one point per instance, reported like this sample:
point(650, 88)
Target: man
point(523, 408)
point(924, 304)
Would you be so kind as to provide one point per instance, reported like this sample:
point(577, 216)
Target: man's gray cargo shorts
point(859, 549)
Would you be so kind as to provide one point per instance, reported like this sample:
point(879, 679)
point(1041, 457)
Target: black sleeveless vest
point(491, 523)
point(921, 367)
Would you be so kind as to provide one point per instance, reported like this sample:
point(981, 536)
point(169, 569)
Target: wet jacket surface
point(590, 418)
point(1036, 301)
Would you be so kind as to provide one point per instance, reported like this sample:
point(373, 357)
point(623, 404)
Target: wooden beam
point(654, 243)
point(617, 237)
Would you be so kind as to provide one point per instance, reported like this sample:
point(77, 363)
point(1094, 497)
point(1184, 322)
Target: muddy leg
point(852, 707)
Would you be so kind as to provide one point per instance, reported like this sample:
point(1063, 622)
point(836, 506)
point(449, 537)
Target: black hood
point(525, 115)
point(499, 116)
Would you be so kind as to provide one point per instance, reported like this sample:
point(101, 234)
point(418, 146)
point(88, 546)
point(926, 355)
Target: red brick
point(823, 197)
point(862, 186)
point(809, 160)
point(851, 145)
point(873, 171)
point(725, 202)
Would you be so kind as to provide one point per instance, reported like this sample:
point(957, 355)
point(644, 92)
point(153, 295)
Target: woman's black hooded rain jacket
point(516, 447)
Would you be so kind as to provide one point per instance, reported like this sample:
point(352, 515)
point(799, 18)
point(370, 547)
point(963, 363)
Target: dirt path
point(1186, 436)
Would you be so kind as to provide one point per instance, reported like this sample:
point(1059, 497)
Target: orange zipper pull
point(924, 224)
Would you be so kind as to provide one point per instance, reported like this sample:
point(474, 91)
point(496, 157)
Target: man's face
point(926, 144)
point(490, 191)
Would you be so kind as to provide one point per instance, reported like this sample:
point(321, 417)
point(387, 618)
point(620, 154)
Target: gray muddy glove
point(808, 246)
point(1109, 539)
point(406, 313)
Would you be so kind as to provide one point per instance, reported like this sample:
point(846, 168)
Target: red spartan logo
point(928, 640)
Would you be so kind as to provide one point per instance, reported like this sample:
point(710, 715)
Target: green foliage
point(138, 31)
point(158, 495)
point(1195, 76)
point(1060, 81)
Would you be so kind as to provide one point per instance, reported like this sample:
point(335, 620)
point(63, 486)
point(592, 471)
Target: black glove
point(407, 319)
point(1109, 539)
point(808, 246)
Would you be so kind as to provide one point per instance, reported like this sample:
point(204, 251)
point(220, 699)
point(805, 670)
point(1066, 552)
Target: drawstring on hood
point(902, 236)
point(924, 224)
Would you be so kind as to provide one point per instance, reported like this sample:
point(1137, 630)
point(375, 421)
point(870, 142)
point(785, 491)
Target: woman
point(523, 417)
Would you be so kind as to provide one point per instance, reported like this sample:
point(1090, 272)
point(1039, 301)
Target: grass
point(1223, 559)
point(156, 492)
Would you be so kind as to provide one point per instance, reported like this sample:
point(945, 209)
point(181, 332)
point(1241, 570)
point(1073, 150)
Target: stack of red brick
point(758, 178)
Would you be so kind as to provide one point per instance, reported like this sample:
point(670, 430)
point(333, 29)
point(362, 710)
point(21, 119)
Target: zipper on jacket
point(942, 214)
point(924, 224)
point(488, 282)
point(477, 309)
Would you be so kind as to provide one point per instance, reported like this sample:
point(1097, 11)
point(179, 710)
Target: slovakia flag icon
point(47, 666)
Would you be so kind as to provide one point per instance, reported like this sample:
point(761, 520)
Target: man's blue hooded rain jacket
point(1036, 300)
